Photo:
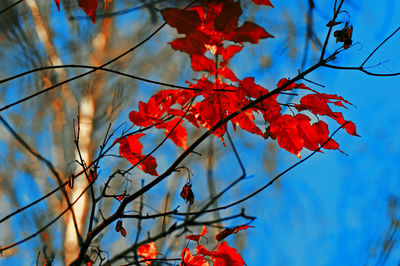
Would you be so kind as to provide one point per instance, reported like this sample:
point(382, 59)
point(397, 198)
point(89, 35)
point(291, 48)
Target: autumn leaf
point(148, 252)
point(189, 260)
point(176, 132)
point(230, 51)
point(248, 32)
point(187, 193)
point(228, 18)
point(227, 256)
point(90, 8)
point(223, 256)
point(185, 21)
point(131, 149)
point(197, 237)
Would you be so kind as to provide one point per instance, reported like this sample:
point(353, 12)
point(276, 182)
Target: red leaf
point(287, 134)
point(131, 149)
point(90, 8)
point(263, 2)
point(185, 21)
point(248, 32)
point(58, 4)
point(227, 256)
point(178, 135)
point(350, 126)
point(189, 260)
point(148, 252)
point(192, 44)
point(230, 51)
point(227, 19)
point(187, 193)
point(197, 237)
point(226, 73)
point(202, 63)
point(246, 121)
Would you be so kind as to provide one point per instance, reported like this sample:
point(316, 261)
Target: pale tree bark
point(71, 242)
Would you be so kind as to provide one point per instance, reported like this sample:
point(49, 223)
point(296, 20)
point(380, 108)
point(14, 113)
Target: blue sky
point(332, 210)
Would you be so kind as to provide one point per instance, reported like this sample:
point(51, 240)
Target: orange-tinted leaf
point(187, 193)
point(189, 260)
point(148, 252)
point(197, 237)
point(263, 2)
point(90, 8)
point(178, 135)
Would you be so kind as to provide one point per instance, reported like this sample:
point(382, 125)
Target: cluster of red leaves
point(224, 255)
point(89, 6)
point(213, 26)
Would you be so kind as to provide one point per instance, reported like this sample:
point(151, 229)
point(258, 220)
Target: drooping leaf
point(148, 252)
point(344, 35)
point(187, 193)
